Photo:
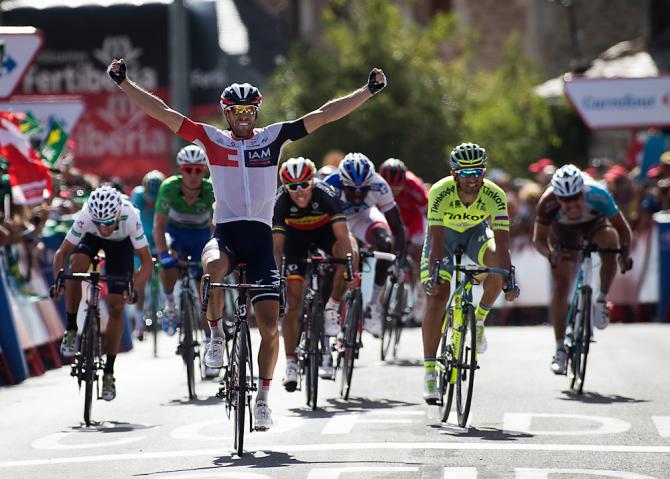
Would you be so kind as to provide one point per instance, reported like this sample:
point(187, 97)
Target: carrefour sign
point(621, 102)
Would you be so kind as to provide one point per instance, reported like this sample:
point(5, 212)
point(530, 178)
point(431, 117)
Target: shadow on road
point(595, 398)
point(405, 363)
point(195, 402)
point(333, 406)
point(485, 433)
point(111, 427)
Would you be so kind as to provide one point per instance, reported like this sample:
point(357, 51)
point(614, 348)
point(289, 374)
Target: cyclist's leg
point(218, 260)
point(291, 320)
point(168, 278)
point(339, 250)
point(605, 236)
point(481, 248)
point(378, 235)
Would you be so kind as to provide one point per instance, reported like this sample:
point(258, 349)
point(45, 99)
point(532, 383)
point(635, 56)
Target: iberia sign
point(18, 48)
point(621, 102)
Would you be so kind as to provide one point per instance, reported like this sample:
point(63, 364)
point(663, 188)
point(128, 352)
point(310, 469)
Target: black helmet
point(241, 94)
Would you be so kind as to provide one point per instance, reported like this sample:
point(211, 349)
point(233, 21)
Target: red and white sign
point(611, 103)
point(64, 109)
point(21, 45)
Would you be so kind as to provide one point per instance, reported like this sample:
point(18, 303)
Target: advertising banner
point(18, 48)
point(611, 103)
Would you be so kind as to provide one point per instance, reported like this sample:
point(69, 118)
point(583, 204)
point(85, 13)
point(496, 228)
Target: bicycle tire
point(88, 341)
point(387, 321)
point(188, 341)
point(582, 342)
point(314, 353)
point(399, 313)
point(351, 320)
point(446, 359)
point(467, 365)
point(240, 386)
point(154, 314)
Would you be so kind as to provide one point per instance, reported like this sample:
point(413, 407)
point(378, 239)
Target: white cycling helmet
point(356, 169)
point(104, 203)
point(567, 181)
point(191, 155)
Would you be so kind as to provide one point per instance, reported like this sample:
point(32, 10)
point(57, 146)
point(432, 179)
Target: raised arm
point(341, 107)
point(145, 101)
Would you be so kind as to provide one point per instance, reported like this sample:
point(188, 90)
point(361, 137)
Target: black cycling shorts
point(297, 244)
point(249, 242)
point(119, 258)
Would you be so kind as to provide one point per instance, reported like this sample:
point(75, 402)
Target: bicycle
point(88, 360)
point(395, 308)
point(456, 362)
point(578, 326)
point(238, 380)
point(313, 343)
point(153, 314)
point(190, 335)
point(348, 342)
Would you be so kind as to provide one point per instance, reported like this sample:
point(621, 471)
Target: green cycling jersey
point(171, 202)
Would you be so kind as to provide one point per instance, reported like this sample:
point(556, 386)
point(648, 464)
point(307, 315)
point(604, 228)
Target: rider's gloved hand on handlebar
point(625, 261)
point(167, 260)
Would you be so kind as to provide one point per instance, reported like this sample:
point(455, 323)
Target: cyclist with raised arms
point(243, 162)
point(306, 213)
point(110, 223)
point(459, 207)
point(575, 207)
point(411, 196)
point(143, 198)
point(373, 218)
point(183, 223)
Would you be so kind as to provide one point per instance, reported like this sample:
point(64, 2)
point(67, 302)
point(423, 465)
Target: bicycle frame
point(189, 344)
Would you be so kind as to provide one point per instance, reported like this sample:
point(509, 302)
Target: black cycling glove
point(119, 76)
point(373, 85)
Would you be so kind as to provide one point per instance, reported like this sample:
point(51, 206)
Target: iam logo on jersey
point(258, 158)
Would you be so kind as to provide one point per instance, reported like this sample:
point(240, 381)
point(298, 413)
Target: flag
point(54, 144)
point(29, 125)
point(28, 176)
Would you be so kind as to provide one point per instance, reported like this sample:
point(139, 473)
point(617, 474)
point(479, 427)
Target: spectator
point(621, 187)
point(542, 170)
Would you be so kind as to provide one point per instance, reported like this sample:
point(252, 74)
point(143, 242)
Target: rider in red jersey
point(411, 196)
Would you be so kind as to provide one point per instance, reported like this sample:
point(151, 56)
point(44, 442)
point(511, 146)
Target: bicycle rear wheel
point(88, 340)
point(445, 366)
point(188, 340)
point(154, 311)
point(398, 315)
point(239, 371)
point(467, 365)
point(314, 353)
point(351, 320)
point(582, 342)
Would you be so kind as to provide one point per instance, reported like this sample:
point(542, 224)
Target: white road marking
point(334, 472)
point(520, 423)
point(375, 446)
point(460, 473)
point(528, 473)
point(222, 475)
point(54, 441)
point(193, 432)
point(345, 422)
point(662, 424)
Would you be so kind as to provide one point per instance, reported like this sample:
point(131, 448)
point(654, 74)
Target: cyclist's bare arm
point(160, 227)
point(503, 255)
point(625, 238)
point(341, 233)
point(339, 107)
point(398, 230)
point(148, 103)
point(66, 248)
point(436, 245)
point(540, 239)
point(278, 246)
point(143, 275)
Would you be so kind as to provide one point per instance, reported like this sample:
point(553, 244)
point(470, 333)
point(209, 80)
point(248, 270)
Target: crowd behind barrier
point(31, 324)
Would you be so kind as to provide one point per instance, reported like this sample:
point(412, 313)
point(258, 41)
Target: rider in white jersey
point(243, 163)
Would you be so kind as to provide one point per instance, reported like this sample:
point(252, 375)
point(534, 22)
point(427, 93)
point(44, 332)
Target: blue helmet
point(356, 169)
point(152, 182)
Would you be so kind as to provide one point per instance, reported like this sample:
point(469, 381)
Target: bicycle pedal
point(222, 393)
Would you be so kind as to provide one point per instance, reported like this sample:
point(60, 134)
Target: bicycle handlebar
point(593, 248)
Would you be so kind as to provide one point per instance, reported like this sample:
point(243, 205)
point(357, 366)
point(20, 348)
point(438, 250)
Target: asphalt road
point(524, 423)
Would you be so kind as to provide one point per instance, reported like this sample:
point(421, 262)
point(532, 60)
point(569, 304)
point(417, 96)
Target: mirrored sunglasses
point(190, 170)
point(299, 185)
point(357, 189)
point(242, 109)
point(104, 223)
point(471, 172)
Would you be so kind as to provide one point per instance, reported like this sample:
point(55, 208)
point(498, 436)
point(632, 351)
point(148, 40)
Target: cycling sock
point(216, 328)
point(559, 344)
point(263, 389)
point(482, 312)
point(332, 304)
point(429, 365)
point(602, 297)
point(71, 321)
point(139, 321)
point(376, 293)
point(109, 364)
point(169, 299)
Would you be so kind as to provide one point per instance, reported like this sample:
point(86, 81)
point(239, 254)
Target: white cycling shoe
point(214, 353)
point(262, 416)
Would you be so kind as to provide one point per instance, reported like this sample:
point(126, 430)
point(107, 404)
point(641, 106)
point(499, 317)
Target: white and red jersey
point(412, 202)
point(243, 171)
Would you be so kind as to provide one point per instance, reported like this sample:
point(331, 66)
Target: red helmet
point(393, 170)
point(295, 170)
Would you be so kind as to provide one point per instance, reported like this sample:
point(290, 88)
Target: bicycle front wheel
point(582, 342)
point(445, 365)
point(314, 353)
point(388, 320)
point(87, 349)
point(188, 341)
point(467, 365)
point(351, 319)
point(239, 371)
point(154, 311)
point(398, 315)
